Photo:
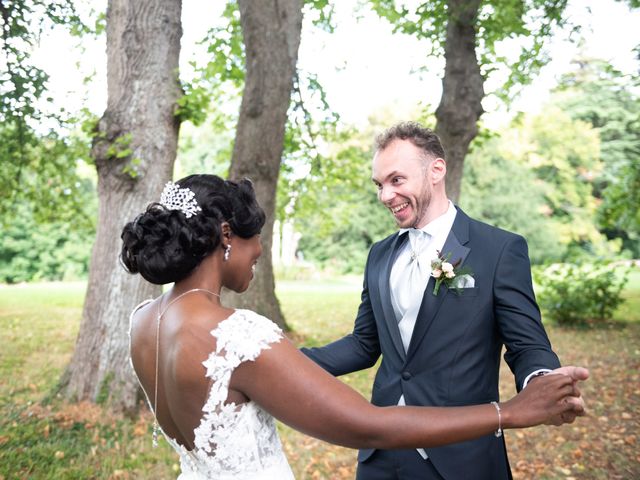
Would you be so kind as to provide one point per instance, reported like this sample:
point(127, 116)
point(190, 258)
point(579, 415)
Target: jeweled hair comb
point(175, 198)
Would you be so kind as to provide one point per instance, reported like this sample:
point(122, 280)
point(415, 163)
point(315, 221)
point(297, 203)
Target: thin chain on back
point(156, 427)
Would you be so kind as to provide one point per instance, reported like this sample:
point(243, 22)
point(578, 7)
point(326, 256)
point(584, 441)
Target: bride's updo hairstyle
point(164, 246)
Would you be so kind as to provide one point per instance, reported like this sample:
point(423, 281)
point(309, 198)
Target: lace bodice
point(232, 441)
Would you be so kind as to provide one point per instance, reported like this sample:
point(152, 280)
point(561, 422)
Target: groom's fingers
point(576, 373)
point(577, 404)
point(576, 391)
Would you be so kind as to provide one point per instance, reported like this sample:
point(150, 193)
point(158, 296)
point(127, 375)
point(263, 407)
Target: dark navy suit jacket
point(453, 358)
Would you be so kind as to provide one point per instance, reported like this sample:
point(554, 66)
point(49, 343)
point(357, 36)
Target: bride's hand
point(577, 374)
point(551, 397)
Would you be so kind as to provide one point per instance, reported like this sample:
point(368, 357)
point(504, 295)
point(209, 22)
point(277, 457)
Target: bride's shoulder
point(140, 320)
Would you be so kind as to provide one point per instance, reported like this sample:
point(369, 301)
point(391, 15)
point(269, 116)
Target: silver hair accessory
point(175, 198)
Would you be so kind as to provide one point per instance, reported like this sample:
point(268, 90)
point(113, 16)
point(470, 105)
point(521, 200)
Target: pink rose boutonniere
point(448, 273)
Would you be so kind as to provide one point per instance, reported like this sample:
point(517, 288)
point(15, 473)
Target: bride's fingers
point(568, 417)
point(556, 420)
point(566, 390)
point(562, 383)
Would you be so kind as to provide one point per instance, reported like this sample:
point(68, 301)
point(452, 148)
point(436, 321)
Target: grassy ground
point(38, 325)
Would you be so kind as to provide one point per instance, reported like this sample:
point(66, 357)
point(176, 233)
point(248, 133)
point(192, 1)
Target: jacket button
point(406, 375)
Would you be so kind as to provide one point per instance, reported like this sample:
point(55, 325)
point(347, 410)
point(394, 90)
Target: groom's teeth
point(399, 207)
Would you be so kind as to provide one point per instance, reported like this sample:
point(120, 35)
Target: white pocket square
point(464, 281)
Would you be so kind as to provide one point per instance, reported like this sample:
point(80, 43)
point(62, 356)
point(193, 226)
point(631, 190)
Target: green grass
point(39, 324)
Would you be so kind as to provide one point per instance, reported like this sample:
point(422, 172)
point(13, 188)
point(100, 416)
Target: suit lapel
point(455, 245)
point(385, 292)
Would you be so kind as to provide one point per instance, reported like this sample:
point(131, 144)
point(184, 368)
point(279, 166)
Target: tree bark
point(462, 90)
point(134, 150)
point(271, 32)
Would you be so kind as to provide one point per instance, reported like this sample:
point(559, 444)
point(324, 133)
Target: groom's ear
point(438, 170)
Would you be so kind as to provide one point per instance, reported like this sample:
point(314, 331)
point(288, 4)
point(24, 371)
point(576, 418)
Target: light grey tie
point(416, 272)
point(415, 276)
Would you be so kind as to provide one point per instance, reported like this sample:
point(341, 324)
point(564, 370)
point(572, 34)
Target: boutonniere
point(448, 273)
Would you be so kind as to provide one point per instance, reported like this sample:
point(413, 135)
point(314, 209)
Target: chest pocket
point(462, 293)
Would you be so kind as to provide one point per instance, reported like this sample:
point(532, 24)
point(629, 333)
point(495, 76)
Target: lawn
point(39, 322)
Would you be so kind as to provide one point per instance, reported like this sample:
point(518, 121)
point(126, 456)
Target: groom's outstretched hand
point(577, 374)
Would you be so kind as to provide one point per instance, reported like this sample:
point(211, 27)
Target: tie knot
point(418, 239)
point(418, 233)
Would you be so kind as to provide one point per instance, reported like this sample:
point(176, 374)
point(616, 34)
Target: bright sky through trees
point(361, 65)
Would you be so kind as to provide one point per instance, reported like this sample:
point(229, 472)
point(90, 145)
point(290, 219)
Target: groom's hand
point(577, 374)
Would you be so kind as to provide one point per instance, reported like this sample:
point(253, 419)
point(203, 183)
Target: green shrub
point(583, 294)
point(32, 251)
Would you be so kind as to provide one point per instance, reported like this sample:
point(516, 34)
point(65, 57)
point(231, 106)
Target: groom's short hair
point(422, 137)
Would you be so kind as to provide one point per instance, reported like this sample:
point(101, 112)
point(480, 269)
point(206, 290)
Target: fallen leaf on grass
point(140, 428)
point(564, 471)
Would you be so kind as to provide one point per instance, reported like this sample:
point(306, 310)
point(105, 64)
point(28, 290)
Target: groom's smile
point(399, 172)
point(399, 208)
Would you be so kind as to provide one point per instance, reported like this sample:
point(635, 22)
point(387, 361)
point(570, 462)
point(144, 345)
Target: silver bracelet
point(498, 432)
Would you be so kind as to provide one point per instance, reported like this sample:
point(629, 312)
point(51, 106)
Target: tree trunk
point(134, 150)
point(271, 31)
point(462, 90)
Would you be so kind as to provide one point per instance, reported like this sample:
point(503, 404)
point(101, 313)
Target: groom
point(439, 349)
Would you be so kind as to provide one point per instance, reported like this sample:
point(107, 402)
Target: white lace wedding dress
point(238, 442)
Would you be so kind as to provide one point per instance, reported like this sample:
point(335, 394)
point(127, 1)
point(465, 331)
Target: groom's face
point(400, 173)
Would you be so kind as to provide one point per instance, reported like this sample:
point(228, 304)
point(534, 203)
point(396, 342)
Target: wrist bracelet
point(498, 432)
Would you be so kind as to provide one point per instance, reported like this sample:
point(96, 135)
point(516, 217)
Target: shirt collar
point(439, 224)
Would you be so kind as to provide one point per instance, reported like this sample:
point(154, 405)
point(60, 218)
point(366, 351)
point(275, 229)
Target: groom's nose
point(386, 193)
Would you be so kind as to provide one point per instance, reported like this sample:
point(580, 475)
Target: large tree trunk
point(134, 150)
point(271, 31)
point(462, 90)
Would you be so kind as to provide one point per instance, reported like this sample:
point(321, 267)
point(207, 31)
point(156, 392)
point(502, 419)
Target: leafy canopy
point(527, 24)
point(607, 100)
point(38, 157)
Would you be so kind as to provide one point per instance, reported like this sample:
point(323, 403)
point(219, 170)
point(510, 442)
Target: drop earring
point(227, 252)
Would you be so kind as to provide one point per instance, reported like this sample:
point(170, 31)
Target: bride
point(216, 377)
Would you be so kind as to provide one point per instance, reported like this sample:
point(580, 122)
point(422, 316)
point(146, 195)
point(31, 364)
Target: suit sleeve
point(517, 313)
point(356, 351)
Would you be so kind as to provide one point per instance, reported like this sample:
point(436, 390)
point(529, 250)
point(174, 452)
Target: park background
point(556, 158)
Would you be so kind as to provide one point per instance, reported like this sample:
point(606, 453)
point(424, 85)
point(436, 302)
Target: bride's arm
point(299, 393)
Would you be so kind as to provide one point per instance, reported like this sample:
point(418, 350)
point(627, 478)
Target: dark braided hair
point(164, 246)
